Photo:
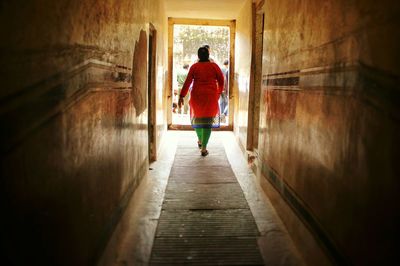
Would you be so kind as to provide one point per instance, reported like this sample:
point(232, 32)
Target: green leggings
point(204, 135)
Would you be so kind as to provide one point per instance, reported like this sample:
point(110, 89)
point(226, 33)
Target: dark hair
point(206, 46)
point(186, 66)
point(203, 54)
point(226, 62)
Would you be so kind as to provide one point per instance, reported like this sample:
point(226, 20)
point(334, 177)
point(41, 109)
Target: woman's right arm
point(220, 79)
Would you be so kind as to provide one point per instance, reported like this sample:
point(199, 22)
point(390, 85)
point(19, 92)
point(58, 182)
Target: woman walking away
point(208, 83)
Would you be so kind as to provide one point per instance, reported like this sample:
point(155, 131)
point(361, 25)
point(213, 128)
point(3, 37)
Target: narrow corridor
point(308, 173)
point(205, 216)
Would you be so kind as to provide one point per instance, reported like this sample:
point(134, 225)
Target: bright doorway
point(185, 37)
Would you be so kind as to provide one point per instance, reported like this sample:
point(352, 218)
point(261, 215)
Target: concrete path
point(205, 219)
point(200, 211)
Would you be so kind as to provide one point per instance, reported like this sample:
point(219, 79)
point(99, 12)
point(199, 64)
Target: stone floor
point(205, 219)
point(197, 210)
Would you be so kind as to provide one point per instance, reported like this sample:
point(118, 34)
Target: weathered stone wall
point(159, 20)
point(329, 122)
point(242, 71)
point(74, 122)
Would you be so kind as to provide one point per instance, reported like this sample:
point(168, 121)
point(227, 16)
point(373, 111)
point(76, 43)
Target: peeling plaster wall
point(329, 122)
point(242, 71)
point(74, 137)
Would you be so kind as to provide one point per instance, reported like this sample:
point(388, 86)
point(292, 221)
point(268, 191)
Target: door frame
point(201, 22)
point(151, 94)
point(258, 17)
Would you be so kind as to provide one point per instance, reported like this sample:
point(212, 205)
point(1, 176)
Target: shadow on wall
point(331, 157)
point(139, 74)
point(64, 188)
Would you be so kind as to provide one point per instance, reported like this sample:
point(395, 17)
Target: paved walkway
point(205, 219)
point(200, 210)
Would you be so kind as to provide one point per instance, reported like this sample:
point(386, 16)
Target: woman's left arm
point(185, 87)
point(188, 81)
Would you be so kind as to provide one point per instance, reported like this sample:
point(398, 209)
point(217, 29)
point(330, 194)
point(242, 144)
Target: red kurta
point(208, 83)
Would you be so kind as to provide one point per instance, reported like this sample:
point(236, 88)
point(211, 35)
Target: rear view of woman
point(208, 83)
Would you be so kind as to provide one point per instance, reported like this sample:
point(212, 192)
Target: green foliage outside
point(187, 39)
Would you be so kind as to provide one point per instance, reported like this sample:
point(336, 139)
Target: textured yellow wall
point(74, 123)
point(159, 20)
point(242, 70)
point(329, 120)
